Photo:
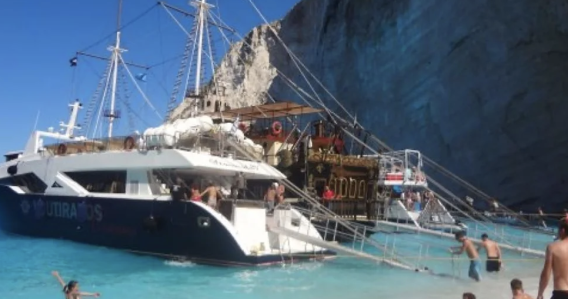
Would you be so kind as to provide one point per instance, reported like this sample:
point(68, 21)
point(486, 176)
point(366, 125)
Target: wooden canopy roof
point(273, 110)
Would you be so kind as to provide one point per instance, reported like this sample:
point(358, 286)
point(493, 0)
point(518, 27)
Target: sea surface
point(26, 264)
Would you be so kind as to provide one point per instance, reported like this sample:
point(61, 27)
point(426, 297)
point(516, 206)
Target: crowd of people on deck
point(213, 193)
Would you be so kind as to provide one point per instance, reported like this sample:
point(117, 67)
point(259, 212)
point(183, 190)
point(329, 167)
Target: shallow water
point(25, 266)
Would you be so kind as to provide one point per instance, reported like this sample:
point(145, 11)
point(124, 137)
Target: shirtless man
point(212, 193)
point(493, 263)
point(517, 289)
point(469, 248)
point(556, 261)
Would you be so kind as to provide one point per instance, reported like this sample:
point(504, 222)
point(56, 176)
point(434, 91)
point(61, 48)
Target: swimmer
point(469, 248)
point(518, 291)
point(468, 296)
point(493, 263)
point(556, 261)
point(71, 289)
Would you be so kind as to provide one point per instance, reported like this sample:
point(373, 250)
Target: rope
point(119, 29)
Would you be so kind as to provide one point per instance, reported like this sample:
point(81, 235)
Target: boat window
point(100, 181)
point(28, 182)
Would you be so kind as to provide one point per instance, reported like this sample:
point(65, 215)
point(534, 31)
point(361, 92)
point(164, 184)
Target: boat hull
point(168, 229)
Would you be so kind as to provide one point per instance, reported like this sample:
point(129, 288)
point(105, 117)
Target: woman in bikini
point(71, 289)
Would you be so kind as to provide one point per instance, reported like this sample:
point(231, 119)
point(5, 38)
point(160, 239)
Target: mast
point(116, 50)
point(201, 6)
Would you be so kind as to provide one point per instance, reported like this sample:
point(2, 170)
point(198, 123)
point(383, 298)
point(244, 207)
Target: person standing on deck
point(328, 196)
point(494, 262)
point(270, 196)
point(556, 261)
point(211, 196)
point(541, 217)
point(517, 289)
point(469, 248)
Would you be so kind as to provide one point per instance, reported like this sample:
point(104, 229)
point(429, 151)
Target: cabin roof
point(272, 110)
point(13, 153)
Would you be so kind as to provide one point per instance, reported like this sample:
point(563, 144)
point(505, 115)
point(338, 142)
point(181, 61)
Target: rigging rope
point(120, 28)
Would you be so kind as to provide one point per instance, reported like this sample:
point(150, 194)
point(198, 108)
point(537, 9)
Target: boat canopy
point(272, 110)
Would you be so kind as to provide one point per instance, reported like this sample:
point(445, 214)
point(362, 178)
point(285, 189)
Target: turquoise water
point(26, 264)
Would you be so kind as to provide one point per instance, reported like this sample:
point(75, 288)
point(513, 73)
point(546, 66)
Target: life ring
point(62, 149)
point(276, 128)
point(128, 143)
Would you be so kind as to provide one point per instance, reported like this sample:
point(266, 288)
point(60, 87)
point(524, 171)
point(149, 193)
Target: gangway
point(338, 248)
point(407, 227)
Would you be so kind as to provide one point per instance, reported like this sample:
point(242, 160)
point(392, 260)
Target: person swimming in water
point(469, 248)
point(71, 289)
point(493, 263)
point(556, 261)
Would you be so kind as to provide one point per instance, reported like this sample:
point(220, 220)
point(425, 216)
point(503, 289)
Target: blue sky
point(39, 38)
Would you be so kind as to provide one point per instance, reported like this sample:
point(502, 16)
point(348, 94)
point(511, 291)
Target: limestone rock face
point(481, 87)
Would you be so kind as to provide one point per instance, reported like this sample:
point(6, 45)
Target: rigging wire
point(127, 24)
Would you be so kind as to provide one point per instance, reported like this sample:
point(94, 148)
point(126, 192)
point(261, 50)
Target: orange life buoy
point(128, 143)
point(61, 149)
point(276, 128)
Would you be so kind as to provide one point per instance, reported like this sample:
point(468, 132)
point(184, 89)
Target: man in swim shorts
point(469, 248)
point(556, 261)
point(493, 263)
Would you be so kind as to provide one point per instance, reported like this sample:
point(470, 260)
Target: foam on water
point(26, 264)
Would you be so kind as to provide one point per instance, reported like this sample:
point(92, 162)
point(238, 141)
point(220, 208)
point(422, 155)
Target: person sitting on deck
point(71, 289)
point(517, 289)
point(469, 248)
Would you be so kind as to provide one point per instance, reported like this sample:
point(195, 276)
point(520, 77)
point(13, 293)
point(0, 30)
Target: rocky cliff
point(479, 86)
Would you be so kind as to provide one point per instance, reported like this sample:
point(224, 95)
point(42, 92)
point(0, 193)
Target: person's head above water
point(72, 286)
point(562, 228)
point(468, 296)
point(484, 237)
point(517, 286)
point(460, 236)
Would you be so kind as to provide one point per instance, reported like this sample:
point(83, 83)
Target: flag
point(73, 61)
point(141, 77)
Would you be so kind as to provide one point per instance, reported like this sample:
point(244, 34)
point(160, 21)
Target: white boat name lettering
point(247, 166)
point(69, 210)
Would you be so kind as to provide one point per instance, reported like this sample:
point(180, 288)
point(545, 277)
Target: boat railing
point(402, 166)
point(202, 143)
